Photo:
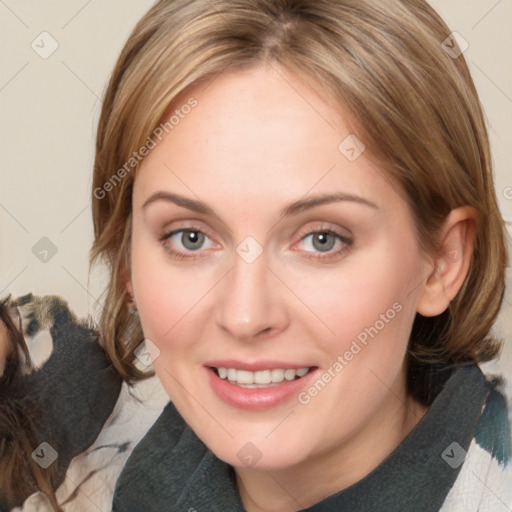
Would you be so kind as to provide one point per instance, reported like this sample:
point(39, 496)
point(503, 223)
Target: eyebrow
point(291, 209)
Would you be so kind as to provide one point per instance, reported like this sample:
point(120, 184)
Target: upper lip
point(254, 366)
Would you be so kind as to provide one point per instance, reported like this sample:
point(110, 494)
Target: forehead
point(259, 133)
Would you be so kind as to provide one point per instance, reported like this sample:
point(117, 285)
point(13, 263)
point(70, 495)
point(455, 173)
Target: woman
point(295, 203)
point(297, 199)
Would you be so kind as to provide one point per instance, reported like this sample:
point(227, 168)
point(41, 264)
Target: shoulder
point(493, 433)
point(173, 466)
point(165, 458)
point(484, 482)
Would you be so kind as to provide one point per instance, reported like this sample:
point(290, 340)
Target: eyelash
point(179, 255)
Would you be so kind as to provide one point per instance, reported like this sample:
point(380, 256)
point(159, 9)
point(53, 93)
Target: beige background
point(49, 108)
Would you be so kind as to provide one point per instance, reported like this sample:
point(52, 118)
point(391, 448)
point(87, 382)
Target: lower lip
point(257, 399)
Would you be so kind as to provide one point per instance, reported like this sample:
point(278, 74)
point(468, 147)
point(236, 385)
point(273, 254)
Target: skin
point(258, 141)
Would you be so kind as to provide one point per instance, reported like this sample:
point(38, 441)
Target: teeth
point(244, 377)
point(261, 378)
point(277, 375)
point(289, 374)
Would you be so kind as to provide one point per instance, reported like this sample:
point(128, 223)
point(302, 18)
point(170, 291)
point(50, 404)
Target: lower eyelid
point(333, 254)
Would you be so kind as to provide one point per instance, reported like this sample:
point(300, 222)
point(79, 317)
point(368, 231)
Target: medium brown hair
point(413, 105)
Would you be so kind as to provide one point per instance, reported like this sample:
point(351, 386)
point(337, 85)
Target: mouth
point(258, 386)
point(260, 379)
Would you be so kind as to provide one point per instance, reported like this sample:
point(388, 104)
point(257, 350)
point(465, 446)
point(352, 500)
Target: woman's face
point(262, 243)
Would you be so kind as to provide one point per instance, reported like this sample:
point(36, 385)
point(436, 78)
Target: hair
point(382, 61)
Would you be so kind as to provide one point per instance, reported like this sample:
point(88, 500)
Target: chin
point(261, 455)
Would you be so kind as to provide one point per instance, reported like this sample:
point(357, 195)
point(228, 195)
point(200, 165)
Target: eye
point(183, 243)
point(322, 241)
point(325, 243)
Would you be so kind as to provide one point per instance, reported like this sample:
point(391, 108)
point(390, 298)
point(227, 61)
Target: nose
point(250, 304)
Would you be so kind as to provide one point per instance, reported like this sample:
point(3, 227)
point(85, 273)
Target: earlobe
point(132, 306)
point(451, 264)
point(129, 287)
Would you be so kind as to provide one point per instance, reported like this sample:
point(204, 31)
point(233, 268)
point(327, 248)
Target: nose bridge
point(248, 306)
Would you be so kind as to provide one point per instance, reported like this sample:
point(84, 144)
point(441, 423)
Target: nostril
point(265, 331)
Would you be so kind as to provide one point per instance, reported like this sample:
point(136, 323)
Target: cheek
point(170, 299)
point(157, 294)
point(372, 318)
point(366, 296)
point(366, 311)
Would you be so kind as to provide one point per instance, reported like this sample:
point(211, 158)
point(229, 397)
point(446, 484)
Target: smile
point(261, 378)
point(263, 387)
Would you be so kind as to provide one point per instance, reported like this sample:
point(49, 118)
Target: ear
point(130, 301)
point(125, 272)
point(125, 277)
point(451, 263)
point(129, 285)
